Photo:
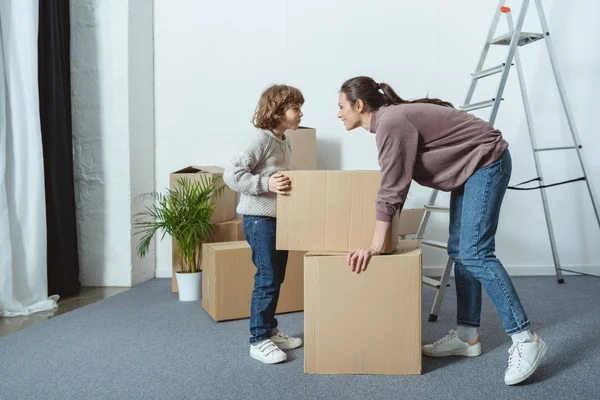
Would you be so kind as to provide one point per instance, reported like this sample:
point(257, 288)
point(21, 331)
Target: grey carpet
point(145, 344)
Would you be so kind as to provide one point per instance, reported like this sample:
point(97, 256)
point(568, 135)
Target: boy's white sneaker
point(267, 352)
point(452, 345)
point(524, 358)
point(285, 342)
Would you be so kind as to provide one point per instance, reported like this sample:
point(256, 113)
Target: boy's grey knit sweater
point(249, 172)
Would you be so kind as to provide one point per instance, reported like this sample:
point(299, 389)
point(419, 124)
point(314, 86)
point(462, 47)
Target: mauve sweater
point(439, 147)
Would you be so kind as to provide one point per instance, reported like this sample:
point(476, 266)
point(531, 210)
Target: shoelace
point(267, 347)
point(446, 338)
point(515, 354)
point(282, 335)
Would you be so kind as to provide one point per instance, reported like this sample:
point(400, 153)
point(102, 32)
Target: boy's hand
point(279, 184)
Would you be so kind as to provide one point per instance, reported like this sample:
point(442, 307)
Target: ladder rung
point(437, 209)
point(525, 38)
point(434, 244)
point(477, 106)
point(556, 148)
point(431, 283)
point(489, 71)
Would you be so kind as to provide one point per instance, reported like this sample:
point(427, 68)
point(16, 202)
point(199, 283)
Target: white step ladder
point(514, 39)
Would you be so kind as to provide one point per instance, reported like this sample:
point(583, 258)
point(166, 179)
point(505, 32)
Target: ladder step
point(556, 148)
point(477, 106)
point(432, 283)
point(525, 38)
point(489, 71)
point(435, 244)
point(437, 209)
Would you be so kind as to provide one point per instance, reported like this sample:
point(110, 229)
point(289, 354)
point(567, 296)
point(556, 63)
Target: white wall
point(212, 60)
point(111, 102)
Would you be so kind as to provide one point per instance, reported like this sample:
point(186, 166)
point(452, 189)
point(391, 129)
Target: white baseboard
point(164, 273)
point(529, 270)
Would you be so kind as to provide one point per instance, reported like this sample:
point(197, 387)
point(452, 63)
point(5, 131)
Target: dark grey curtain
point(54, 79)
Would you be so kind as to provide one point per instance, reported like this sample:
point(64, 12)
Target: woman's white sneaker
point(285, 342)
point(523, 359)
point(267, 352)
point(452, 345)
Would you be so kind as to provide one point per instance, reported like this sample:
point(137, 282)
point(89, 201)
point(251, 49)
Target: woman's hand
point(359, 259)
point(280, 184)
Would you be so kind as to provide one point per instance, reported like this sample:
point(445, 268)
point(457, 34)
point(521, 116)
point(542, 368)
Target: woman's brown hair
point(375, 95)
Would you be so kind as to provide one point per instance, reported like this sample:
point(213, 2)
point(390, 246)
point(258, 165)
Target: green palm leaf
point(183, 213)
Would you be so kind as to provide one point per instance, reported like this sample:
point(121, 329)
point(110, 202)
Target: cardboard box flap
point(232, 222)
point(325, 253)
point(186, 170)
point(228, 245)
point(212, 169)
point(194, 170)
point(410, 220)
point(404, 247)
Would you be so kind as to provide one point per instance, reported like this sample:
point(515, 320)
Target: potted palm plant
point(184, 213)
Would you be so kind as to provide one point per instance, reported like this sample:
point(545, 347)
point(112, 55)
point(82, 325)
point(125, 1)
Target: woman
point(428, 140)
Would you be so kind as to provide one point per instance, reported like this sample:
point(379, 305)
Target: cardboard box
point(304, 148)
point(228, 281)
point(227, 231)
point(367, 323)
point(410, 219)
point(225, 205)
point(330, 210)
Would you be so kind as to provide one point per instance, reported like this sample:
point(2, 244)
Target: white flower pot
point(189, 286)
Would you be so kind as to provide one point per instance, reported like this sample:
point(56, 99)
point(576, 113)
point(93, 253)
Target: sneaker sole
point(284, 347)
point(531, 371)
point(269, 361)
point(465, 353)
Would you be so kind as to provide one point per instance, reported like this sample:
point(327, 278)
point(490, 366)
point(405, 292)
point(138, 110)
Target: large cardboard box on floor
point(330, 210)
point(225, 205)
point(227, 231)
point(228, 281)
point(304, 148)
point(367, 323)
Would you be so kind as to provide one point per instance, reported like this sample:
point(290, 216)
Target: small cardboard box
point(225, 205)
point(304, 148)
point(228, 281)
point(330, 211)
point(367, 323)
point(227, 231)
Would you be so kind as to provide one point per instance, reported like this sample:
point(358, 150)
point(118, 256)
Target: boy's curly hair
point(273, 104)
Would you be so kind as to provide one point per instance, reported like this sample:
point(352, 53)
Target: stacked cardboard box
point(367, 323)
point(330, 210)
point(329, 213)
point(228, 280)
